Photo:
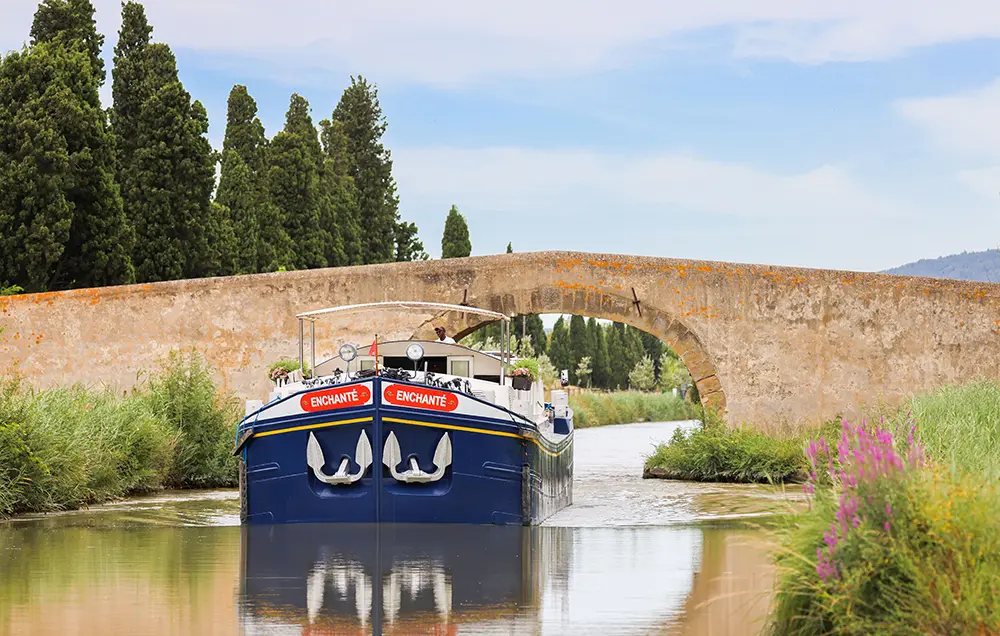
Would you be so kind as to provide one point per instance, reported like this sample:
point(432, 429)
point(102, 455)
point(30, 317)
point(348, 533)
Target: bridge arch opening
point(675, 335)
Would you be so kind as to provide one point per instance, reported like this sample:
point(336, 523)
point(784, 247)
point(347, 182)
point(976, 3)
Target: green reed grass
point(716, 453)
point(68, 447)
point(624, 407)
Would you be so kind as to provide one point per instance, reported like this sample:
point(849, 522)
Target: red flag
point(373, 350)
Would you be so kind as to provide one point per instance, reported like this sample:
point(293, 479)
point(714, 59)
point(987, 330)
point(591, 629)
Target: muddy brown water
point(630, 556)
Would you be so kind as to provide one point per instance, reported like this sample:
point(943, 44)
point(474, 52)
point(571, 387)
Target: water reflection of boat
point(428, 431)
point(388, 579)
point(446, 578)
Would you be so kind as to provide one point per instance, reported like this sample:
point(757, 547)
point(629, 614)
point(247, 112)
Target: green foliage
point(715, 452)
point(64, 448)
point(579, 343)
point(673, 373)
point(61, 218)
point(341, 214)
point(583, 371)
point(408, 246)
point(10, 290)
point(933, 564)
point(510, 249)
point(295, 159)
point(643, 377)
point(601, 371)
point(71, 24)
point(185, 397)
point(560, 350)
point(173, 175)
point(625, 407)
point(455, 241)
point(370, 166)
point(236, 193)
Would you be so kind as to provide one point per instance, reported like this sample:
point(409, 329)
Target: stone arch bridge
point(763, 343)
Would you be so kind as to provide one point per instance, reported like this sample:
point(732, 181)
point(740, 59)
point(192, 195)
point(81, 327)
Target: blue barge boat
point(449, 440)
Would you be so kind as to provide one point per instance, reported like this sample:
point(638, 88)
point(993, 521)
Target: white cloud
point(673, 205)
point(985, 181)
point(965, 123)
point(443, 41)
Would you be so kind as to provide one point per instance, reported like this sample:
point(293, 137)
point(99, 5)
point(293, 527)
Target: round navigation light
point(414, 352)
point(348, 352)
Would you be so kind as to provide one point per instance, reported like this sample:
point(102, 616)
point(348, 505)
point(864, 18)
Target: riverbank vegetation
point(624, 407)
point(64, 448)
point(714, 452)
point(901, 535)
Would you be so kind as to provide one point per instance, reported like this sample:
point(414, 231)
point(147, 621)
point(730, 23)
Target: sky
point(850, 135)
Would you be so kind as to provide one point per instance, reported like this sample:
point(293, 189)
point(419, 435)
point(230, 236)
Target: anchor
point(362, 455)
point(391, 457)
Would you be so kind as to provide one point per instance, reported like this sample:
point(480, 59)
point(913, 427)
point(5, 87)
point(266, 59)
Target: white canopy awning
point(393, 304)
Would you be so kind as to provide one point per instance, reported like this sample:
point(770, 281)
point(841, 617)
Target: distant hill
point(978, 266)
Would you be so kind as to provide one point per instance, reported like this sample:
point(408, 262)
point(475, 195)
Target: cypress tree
point(510, 249)
point(294, 158)
point(560, 350)
point(455, 241)
point(174, 174)
point(600, 371)
point(61, 218)
point(579, 344)
point(371, 168)
point(408, 246)
point(618, 362)
point(130, 89)
point(258, 235)
point(341, 214)
point(535, 330)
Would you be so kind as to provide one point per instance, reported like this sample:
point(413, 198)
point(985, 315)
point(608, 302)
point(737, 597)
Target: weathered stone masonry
point(765, 343)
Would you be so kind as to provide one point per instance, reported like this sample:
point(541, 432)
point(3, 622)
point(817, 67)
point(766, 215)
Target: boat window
point(367, 364)
point(461, 367)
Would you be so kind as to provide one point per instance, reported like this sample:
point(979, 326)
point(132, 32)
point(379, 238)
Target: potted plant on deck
point(524, 373)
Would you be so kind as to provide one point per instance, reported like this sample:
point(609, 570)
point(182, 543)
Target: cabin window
point(367, 364)
point(460, 367)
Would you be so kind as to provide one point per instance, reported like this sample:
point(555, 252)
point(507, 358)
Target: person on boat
point(442, 336)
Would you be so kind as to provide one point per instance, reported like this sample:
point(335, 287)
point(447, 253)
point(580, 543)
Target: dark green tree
point(174, 168)
point(600, 374)
point(72, 24)
point(61, 218)
point(408, 245)
point(580, 346)
point(130, 89)
point(618, 360)
point(341, 215)
point(236, 193)
point(560, 350)
point(510, 249)
point(455, 241)
point(295, 157)
point(535, 330)
point(370, 165)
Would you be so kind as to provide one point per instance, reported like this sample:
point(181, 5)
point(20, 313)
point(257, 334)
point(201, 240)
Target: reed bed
point(64, 448)
point(625, 407)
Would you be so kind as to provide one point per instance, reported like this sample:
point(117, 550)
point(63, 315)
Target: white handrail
point(312, 315)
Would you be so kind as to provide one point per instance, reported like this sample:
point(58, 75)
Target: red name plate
point(336, 398)
point(421, 398)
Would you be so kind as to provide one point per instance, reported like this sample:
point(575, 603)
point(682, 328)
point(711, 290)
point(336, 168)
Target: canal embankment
point(68, 447)
point(602, 408)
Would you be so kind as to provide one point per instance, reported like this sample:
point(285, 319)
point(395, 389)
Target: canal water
point(631, 556)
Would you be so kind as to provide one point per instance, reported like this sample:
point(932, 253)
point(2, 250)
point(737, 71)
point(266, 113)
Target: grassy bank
point(623, 407)
point(902, 534)
point(69, 447)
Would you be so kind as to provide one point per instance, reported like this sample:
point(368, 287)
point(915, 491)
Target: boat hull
point(387, 451)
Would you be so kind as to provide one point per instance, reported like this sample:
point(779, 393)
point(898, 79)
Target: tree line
point(92, 197)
